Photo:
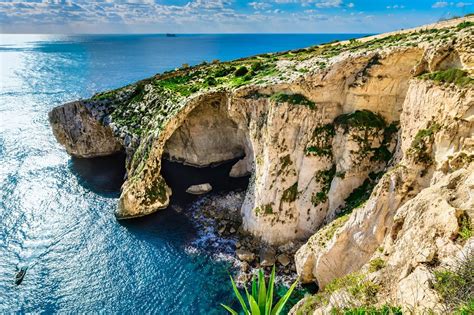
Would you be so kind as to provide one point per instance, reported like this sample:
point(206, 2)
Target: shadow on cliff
point(102, 175)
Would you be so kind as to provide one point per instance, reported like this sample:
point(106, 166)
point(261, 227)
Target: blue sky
point(222, 16)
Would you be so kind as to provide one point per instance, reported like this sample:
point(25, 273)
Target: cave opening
point(179, 177)
point(103, 175)
point(203, 150)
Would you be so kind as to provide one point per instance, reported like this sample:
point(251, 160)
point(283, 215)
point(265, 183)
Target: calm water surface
point(56, 213)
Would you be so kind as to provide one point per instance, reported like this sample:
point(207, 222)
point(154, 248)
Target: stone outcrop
point(363, 147)
point(82, 134)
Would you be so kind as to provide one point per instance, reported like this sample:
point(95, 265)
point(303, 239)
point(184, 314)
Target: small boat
point(20, 275)
point(170, 35)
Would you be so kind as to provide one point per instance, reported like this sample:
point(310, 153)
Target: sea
point(57, 212)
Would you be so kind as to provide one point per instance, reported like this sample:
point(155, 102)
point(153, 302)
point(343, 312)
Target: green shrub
point(457, 76)
point(290, 194)
point(370, 310)
point(324, 178)
point(456, 286)
point(264, 209)
point(320, 144)
point(419, 146)
point(360, 195)
point(465, 227)
point(297, 99)
point(464, 24)
point(138, 94)
point(376, 264)
point(256, 66)
point(361, 119)
point(223, 71)
point(240, 72)
point(260, 299)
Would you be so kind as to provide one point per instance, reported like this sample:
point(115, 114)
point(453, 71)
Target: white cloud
point(443, 4)
point(440, 4)
point(396, 6)
point(260, 5)
point(329, 4)
point(463, 4)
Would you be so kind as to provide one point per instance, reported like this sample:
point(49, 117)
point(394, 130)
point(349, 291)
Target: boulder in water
point(199, 189)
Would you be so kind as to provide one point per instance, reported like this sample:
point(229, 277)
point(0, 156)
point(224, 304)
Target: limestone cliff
point(364, 147)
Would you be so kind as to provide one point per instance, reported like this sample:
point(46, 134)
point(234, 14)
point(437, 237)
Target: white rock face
point(240, 169)
point(205, 137)
point(199, 189)
point(80, 133)
point(413, 213)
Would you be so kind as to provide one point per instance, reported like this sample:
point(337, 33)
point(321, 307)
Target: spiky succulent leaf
point(254, 306)
point(271, 283)
point(281, 303)
point(239, 296)
point(262, 291)
point(230, 310)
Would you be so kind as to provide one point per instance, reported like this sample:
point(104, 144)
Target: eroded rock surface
point(80, 133)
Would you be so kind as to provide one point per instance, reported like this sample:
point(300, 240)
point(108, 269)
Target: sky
point(222, 16)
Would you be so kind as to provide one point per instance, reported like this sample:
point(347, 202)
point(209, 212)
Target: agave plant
point(260, 302)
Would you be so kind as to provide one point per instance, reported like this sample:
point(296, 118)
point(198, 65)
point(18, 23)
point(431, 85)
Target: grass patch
point(324, 178)
point(464, 25)
point(459, 77)
point(361, 119)
point(419, 148)
point(360, 195)
point(456, 286)
point(296, 99)
point(355, 284)
point(104, 95)
point(465, 227)
point(320, 144)
point(328, 232)
point(369, 310)
point(290, 194)
point(376, 264)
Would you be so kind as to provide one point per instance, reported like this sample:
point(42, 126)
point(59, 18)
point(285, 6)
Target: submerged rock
point(199, 189)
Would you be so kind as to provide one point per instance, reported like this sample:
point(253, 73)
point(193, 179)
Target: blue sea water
point(52, 217)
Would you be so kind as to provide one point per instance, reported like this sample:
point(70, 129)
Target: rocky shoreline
point(218, 221)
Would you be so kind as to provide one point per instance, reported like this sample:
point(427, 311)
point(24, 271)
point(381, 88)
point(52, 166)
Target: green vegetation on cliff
point(361, 119)
point(459, 77)
point(456, 285)
point(324, 178)
point(320, 144)
point(297, 99)
point(356, 285)
point(290, 194)
point(420, 148)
